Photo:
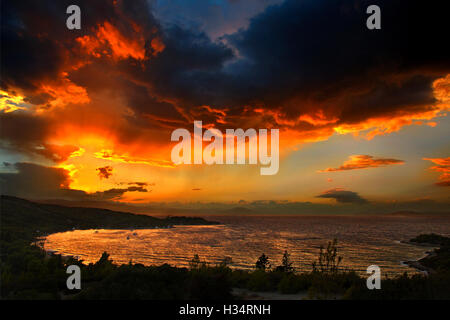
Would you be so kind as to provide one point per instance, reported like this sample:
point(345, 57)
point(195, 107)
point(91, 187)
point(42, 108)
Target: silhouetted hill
point(23, 216)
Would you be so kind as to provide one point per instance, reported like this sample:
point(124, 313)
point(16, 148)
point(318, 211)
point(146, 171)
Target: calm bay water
point(362, 241)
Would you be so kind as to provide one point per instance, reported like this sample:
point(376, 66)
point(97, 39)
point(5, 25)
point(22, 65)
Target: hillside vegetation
point(23, 219)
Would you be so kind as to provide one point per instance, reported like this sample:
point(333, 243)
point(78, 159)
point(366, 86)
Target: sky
point(86, 115)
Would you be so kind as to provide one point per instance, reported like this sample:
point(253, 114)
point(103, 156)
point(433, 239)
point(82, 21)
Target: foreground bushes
point(318, 285)
point(28, 274)
point(435, 286)
point(136, 282)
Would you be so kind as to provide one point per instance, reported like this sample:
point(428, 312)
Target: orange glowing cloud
point(318, 118)
point(386, 125)
point(58, 93)
point(308, 128)
point(77, 153)
point(120, 45)
point(63, 92)
point(441, 88)
point(109, 40)
point(10, 103)
point(157, 45)
point(443, 166)
point(111, 156)
point(69, 171)
point(91, 45)
point(363, 162)
point(319, 122)
point(57, 153)
point(218, 113)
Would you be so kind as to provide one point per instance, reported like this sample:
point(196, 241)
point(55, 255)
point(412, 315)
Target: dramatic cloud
point(443, 166)
point(32, 180)
point(116, 89)
point(105, 172)
point(310, 68)
point(141, 184)
point(363, 162)
point(115, 193)
point(343, 196)
point(110, 155)
point(215, 18)
point(27, 133)
point(35, 181)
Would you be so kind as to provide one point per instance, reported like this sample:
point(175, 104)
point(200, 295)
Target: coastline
point(416, 264)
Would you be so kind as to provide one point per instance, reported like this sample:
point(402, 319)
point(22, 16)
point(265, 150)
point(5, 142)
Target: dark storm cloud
point(21, 127)
point(343, 196)
point(36, 43)
point(414, 93)
point(114, 193)
point(310, 50)
point(37, 49)
point(319, 42)
point(321, 52)
point(148, 109)
point(25, 132)
point(293, 59)
point(189, 68)
point(33, 180)
point(25, 59)
point(49, 17)
point(302, 56)
point(142, 184)
point(214, 17)
point(39, 182)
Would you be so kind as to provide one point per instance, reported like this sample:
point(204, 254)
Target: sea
point(362, 241)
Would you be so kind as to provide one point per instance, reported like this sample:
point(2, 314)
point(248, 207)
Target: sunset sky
point(87, 115)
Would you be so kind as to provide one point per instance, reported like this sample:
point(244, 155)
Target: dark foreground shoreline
point(27, 272)
point(435, 260)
